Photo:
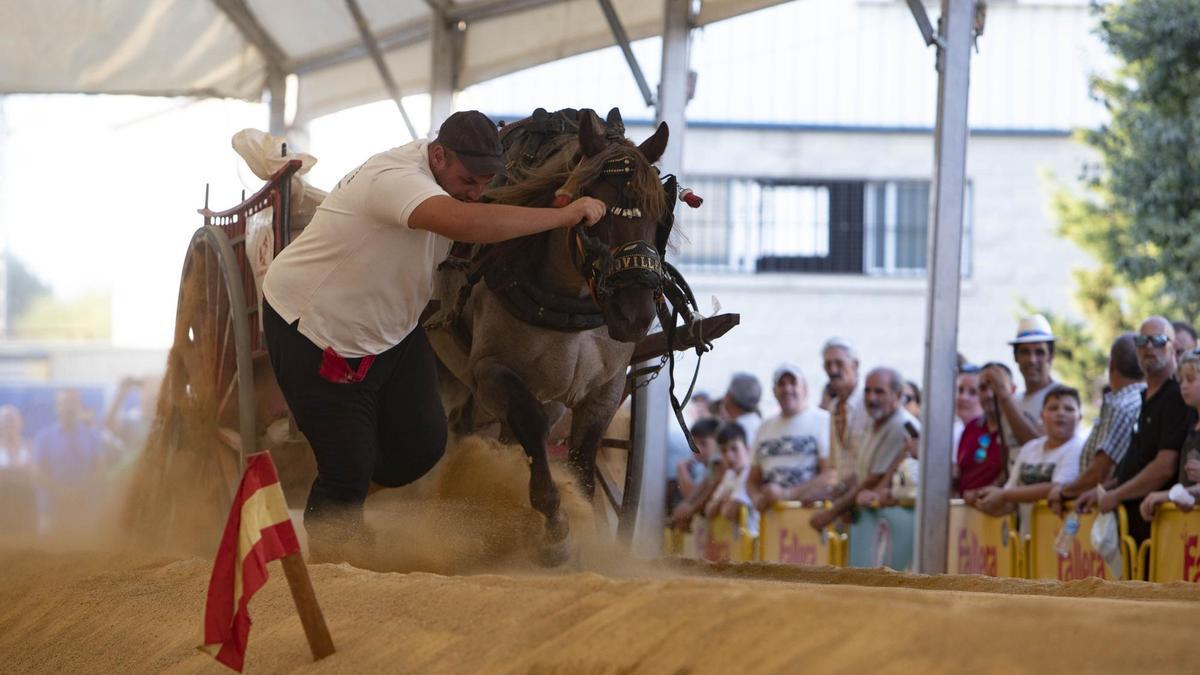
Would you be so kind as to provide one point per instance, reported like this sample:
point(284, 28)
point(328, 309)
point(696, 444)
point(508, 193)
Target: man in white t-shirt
point(1021, 413)
point(342, 303)
point(792, 448)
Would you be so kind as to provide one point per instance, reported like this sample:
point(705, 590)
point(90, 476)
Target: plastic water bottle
point(1062, 543)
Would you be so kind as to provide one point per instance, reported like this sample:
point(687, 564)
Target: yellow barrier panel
point(1082, 561)
point(982, 544)
point(720, 540)
point(1174, 545)
point(687, 545)
point(672, 541)
point(784, 536)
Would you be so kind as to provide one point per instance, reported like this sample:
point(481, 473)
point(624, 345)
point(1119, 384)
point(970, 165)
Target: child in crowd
point(1053, 458)
point(1187, 490)
point(981, 454)
point(726, 475)
point(905, 478)
point(735, 457)
point(694, 469)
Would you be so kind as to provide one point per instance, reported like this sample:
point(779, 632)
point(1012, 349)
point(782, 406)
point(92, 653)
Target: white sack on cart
point(263, 154)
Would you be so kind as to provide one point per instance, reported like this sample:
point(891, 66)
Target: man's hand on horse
point(588, 210)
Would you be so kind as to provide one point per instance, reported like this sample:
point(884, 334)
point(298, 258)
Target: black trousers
point(389, 427)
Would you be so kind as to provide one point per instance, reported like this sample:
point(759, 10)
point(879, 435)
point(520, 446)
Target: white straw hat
point(1033, 329)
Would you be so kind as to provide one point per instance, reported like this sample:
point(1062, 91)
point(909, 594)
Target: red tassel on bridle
point(690, 198)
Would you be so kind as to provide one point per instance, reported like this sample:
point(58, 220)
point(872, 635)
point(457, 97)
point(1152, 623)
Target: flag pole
point(319, 640)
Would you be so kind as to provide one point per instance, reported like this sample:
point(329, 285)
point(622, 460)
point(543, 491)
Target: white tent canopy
point(229, 48)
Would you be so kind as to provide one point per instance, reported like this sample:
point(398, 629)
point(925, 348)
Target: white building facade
point(810, 137)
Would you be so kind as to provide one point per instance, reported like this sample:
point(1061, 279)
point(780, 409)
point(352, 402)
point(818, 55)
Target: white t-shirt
point(750, 422)
point(788, 449)
point(732, 486)
point(358, 277)
point(1031, 406)
point(1036, 465)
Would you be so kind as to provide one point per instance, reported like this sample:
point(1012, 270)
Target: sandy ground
point(466, 598)
point(123, 613)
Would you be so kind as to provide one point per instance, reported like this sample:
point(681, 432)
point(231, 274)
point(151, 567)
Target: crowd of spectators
point(1013, 445)
point(53, 476)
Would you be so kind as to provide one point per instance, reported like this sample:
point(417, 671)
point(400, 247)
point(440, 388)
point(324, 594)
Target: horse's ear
point(652, 148)
point(591, 136)
point(614, 120)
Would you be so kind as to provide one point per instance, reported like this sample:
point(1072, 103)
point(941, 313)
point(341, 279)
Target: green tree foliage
point(88, 317)
point(1139, 211)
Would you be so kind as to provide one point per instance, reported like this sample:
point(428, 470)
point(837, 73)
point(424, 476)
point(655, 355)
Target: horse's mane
point(539, 184)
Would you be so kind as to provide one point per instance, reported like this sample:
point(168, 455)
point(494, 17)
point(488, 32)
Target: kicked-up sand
point(465, 597)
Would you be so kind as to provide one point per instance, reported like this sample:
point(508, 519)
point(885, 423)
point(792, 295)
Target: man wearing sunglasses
point(1153, 457)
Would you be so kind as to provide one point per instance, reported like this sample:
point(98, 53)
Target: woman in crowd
point(981, 454)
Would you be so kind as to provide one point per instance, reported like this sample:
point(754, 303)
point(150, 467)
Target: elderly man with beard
point(1153, 457)
point(888, 439)
point(848, 419)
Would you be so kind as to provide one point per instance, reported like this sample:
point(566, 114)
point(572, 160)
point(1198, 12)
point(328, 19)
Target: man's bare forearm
point(1027, 493)
point(489, 223)
point(808, 491)
point(1157, 473)
point(1022, 428)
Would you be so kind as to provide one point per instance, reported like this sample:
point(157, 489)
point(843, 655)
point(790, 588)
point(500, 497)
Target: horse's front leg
point(501, 392)
point(589, 419)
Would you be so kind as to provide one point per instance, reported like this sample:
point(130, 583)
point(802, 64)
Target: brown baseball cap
point(473, 137)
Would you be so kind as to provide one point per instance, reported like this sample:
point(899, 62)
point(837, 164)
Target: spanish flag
point(257, 532)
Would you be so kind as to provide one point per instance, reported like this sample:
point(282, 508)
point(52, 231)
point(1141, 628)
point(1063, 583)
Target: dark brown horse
point(557, 320)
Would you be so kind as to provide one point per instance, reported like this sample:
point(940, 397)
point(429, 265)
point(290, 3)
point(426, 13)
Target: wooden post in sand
point(319, 640)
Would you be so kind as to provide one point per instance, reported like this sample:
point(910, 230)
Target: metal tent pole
point(277, 89)
point(648, 466)
point(622, 38)
point(446, 46)
point(945, 273)
point(385, 73)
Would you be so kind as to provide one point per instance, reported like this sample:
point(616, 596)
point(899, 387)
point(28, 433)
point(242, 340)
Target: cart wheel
point(205, 423)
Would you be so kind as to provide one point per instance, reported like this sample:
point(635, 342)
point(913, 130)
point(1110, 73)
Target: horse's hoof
point(553, 554)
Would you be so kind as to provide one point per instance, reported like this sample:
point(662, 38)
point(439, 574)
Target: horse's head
point(621, 255)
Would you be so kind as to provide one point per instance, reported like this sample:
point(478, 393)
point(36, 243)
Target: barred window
point(877, 228)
